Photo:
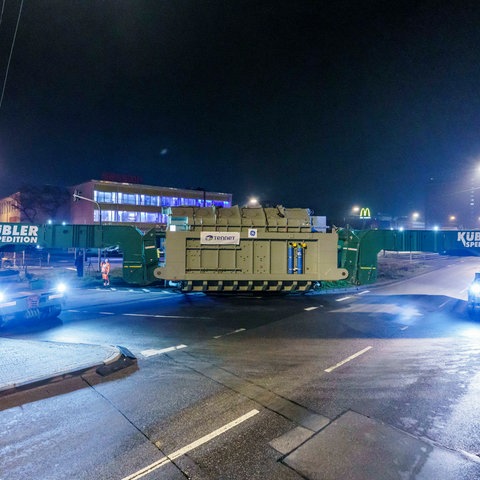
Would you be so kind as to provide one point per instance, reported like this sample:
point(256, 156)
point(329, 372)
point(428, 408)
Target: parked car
point(112, 251)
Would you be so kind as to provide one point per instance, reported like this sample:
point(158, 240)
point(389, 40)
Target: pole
point(76, 196)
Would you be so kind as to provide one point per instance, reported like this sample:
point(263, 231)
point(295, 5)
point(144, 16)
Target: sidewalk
point(24, 363)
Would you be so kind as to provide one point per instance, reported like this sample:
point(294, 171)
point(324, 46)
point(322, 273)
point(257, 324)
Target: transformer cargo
point(248, 249)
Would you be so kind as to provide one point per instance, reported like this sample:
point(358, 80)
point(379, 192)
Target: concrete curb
point(118, 359)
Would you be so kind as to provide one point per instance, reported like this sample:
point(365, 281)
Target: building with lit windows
point(36, 204)
point(8, 211)
point(145, 206)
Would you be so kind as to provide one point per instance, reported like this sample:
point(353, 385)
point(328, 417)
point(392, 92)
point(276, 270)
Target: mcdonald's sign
point(365, 213)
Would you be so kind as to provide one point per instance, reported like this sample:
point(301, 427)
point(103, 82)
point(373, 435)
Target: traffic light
point(76, 194)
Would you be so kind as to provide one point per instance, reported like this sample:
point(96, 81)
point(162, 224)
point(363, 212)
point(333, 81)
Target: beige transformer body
point(248, 249)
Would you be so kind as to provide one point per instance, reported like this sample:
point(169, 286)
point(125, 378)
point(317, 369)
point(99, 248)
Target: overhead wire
point(11, 49)
point(3, 8)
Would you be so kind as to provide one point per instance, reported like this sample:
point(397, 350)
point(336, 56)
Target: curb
point(121, 358)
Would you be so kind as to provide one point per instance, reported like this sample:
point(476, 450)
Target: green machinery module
point(139, 249)
point(248, 249)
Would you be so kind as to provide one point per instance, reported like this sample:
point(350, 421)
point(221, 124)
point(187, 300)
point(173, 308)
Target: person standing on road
point(105, 267)
point(79, 264)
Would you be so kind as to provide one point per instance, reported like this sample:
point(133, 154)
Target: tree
point(38, 203)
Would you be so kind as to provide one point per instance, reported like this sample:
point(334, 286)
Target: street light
point(76, 197)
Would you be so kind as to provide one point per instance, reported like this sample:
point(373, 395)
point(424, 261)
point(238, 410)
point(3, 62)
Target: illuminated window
point(105, 197)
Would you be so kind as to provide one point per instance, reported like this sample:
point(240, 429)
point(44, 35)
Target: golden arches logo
point(365, 213)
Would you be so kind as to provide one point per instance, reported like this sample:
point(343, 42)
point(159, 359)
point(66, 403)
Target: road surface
point(367, 383)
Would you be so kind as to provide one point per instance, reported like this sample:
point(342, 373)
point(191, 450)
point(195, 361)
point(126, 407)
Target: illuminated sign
point(18, 233)
point(365, 213)
point(219, 238)
point(469, 239)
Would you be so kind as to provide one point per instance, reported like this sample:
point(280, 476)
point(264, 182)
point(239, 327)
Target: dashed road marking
point(151, 315)
point(355, 355)
point(378, 308)
point(152, 351)
point(342, 299)
point(182, 451)
point(230, 333)
point(444, 303)
point(308, 309)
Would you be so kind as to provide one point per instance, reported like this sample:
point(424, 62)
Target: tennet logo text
point(220, 238)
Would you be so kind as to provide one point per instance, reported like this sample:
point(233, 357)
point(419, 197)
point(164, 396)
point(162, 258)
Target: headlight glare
point(475, 288)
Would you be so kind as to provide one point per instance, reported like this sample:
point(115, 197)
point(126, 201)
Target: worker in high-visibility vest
point(105, 268)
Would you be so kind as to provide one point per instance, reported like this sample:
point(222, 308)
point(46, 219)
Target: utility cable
point(3, 8)
point(11, 52)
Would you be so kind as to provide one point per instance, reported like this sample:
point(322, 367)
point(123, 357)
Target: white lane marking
point(342, 299)
point(152, 351)
point(404, 328)
point(444, 303)
point(163, 461)
point(160, 316)
point(355, 355)
point(238, 330)
point(389, 308)
point(107, 313)
point(363, 292)
point(310, 308)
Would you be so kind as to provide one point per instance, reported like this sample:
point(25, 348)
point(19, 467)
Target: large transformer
point(248, 249)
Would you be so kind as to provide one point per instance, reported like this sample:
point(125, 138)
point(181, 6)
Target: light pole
point(76, 197)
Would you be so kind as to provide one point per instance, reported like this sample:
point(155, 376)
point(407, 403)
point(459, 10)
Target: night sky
point(318, 104)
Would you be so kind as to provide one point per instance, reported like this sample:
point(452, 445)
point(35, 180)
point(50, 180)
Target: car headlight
point(61, 287)
point(3, 297)
point(475, 289)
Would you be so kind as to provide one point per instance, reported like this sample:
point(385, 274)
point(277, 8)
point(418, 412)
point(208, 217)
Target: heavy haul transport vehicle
point(238, 249)
point(248, 249)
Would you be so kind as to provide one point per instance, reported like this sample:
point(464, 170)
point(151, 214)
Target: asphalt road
point(228, 387)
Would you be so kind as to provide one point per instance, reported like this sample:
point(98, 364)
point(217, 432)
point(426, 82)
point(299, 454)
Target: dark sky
point(319, 104)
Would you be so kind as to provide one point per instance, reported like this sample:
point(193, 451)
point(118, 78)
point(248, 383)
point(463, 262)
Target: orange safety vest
point(105, 269)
